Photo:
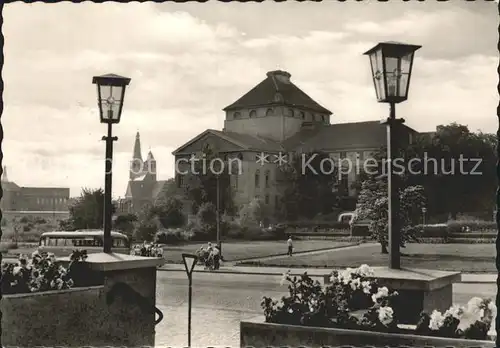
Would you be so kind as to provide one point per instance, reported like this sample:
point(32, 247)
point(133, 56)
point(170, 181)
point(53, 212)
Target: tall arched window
point(257, 179)
point(323, 118)
point(237, 115)
point(290, 112)
point(269, 112)
point(302, 115)
point(253, 113)
point(267, 178)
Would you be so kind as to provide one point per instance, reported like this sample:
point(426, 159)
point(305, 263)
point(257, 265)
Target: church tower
point(150, 166)
point(137, 164)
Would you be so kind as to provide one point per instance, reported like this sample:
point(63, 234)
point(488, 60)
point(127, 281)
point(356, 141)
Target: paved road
point(220, 301)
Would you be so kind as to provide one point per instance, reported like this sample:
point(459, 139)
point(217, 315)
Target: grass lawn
point(233, 251)
point(471, 258)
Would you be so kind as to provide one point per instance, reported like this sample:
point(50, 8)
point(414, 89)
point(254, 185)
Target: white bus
point(62, 243)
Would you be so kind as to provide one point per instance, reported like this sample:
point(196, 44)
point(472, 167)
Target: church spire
point(137, 164)
point(137, 147)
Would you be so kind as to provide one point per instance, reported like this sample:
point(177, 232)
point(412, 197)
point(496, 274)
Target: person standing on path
point(289, 242)
point(216, 255)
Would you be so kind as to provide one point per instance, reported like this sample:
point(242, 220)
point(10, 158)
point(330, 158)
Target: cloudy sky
point(188, 61)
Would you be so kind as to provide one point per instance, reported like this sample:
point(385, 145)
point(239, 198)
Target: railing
point(132, 296)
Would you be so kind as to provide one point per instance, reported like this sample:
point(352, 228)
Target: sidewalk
point(314, 272)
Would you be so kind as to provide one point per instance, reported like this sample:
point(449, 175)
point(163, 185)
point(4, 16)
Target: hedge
point(317, 224)
point(473, 225)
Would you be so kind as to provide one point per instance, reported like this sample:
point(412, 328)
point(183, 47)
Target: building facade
point(32, 199)
point(277, 118)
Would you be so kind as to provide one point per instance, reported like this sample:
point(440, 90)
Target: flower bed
point(355, 301)
point(39, 273)
point(148, 250)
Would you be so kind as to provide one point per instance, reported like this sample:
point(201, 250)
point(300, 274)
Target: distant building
point(38, 201)
point(143, 187)
point(276, 117)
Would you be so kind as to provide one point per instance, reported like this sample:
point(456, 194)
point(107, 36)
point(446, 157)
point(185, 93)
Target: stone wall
point(257, 333)
point(53, 318)
point(83, 316)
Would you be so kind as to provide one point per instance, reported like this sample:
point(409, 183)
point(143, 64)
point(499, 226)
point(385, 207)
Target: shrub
point(358, 230)
point(317, 225)
point(457, 226)
point(311, 304)
point(433, 231)
point(173, 236)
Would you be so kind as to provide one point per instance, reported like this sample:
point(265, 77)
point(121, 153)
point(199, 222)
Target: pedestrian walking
point(216, 257)
point(289, 242)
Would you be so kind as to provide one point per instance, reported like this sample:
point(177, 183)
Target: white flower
point(356, 284)
point(385, 315)
point(59, 283)
point(493, 309)
point(381, 293)
point(474, 305)
point(284, 277)
point(290, 310)
point(365, 271)
point(455, 311)
point(17, 270)
point(437, 320)
point(345, 277)
point(367, 287)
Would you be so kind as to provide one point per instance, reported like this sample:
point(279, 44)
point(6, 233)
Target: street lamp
point(110, 95)
point(391, 64)
point(189, 263)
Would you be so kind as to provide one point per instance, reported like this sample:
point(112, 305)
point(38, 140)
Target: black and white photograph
point(250, 174)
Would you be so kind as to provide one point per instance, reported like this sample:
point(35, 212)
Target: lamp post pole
point(218, 216)
point(110, 96)
point(497, 241)
point(391, 64)
point(393, 188)
point(108, 184)
point(190, 296)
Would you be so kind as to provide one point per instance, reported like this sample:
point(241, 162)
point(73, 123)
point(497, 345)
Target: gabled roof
point(10, 186)
point(139, 190)
point(341, 136)
point(265, 94)
point(245, 141)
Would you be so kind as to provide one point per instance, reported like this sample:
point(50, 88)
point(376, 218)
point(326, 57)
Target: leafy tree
point(454, 187)
point(450, 189)
point(87, 212)
point(202, 183)
point(310, 181)
point(146, 225)
point(253, 213)
point(372, 207)
point(207, 218)
point(125, 223)
point(169, 212)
